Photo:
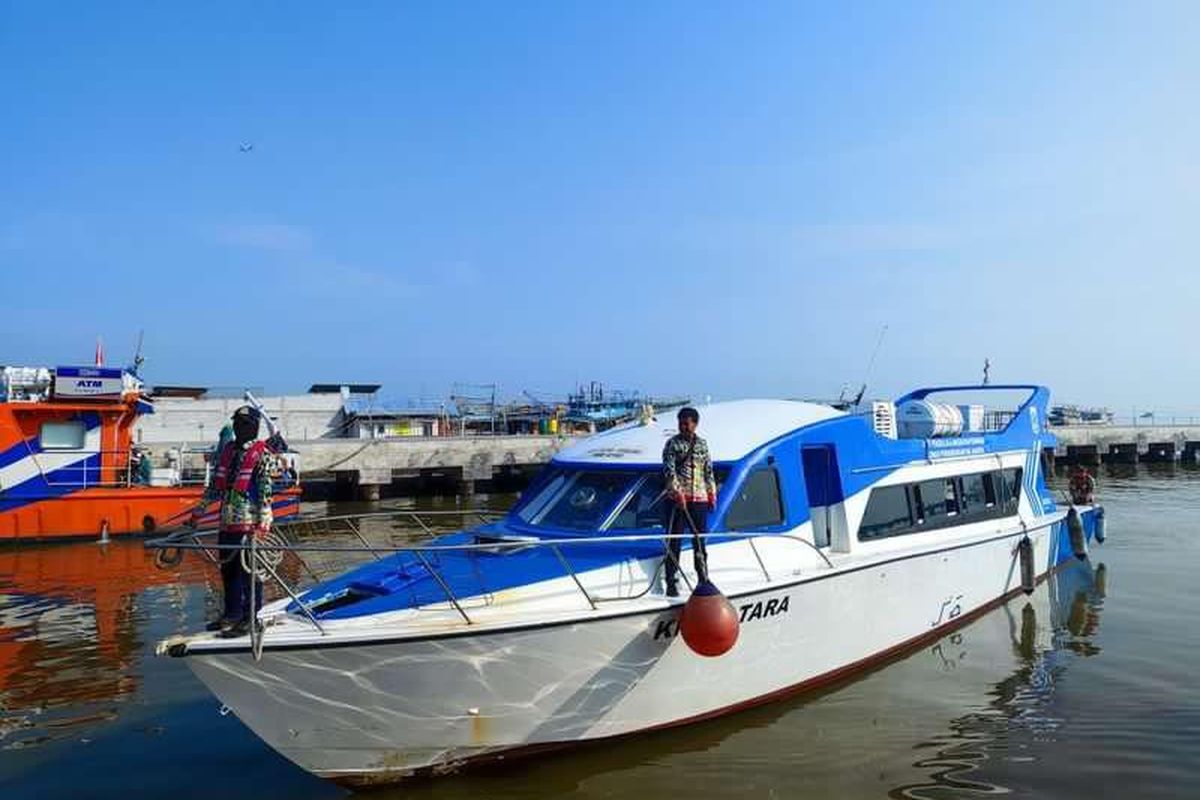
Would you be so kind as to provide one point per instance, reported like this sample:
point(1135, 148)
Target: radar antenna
point(862, 390)
point(138, 360)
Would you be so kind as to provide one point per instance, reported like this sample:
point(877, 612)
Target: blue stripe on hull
point(52, 485)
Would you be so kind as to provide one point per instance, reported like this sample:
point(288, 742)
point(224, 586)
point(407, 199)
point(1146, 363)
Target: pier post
point(1088, 454)
point(1159, 453)
point(1122, 453)
point(371, 483)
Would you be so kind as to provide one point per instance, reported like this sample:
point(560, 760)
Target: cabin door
point(824, 486)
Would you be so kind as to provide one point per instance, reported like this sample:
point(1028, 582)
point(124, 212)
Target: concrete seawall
point(1126, 444)
point(363, 467)
point(370, 464)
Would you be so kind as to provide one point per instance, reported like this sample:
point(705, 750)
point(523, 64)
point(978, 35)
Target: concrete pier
point(364, 469)
point(369, 465)
point(1127, 444)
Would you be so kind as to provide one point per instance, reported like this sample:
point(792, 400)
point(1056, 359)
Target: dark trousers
point(677, 523)
point(235, 581)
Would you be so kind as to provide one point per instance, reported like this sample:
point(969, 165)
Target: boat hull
point(378, 712)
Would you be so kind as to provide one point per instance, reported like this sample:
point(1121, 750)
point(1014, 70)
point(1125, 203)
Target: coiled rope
point(266, 553)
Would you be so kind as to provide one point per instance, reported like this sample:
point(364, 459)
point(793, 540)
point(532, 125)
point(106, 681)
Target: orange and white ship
point(68, 466)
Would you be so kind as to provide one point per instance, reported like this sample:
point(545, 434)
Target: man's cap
point(247, 413)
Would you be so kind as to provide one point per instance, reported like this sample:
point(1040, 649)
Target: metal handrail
point(451, 512)
point(191, 540)
point(120, 462)
point(257, 560)
point(515, 544)
point(421, 552)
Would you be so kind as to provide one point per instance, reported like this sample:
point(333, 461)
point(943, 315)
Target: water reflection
point(1046, 630)
point(70, 639)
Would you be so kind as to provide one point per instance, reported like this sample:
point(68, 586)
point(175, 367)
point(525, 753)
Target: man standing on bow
point(242, 484)
point(692, 488)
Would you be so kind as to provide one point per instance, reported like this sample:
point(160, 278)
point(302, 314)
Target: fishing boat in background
point(69, 466)
point(839, 540)
point(597, 409)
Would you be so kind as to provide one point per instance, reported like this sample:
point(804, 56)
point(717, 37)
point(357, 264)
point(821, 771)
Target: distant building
point(1079, 415)
point(197, 414)
point(367, 418)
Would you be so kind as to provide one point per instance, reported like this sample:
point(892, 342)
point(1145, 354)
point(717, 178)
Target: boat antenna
point(138, 360)
point(862, 390)
point(275, 438)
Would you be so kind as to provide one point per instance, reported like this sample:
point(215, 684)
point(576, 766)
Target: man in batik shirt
point(692, 489)
point(242, 484)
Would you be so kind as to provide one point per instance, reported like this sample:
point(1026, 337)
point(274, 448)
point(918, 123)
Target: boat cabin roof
point(732, 429)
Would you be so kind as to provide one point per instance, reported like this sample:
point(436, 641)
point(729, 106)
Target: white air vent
point(883, 418)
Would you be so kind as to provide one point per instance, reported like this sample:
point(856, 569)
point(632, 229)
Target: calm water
point(1088, 688)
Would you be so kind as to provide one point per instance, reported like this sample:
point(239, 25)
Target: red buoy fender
point(708, 622)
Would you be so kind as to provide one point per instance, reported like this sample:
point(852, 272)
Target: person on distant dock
point(1083, 486)
point(242, 484)
point(689, 482)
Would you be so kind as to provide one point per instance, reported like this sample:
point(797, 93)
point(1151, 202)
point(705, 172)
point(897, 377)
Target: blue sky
point(725, 199)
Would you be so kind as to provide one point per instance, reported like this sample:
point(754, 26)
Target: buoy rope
point(699, 552)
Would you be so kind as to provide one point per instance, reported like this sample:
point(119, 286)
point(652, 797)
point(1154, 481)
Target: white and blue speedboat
point(839, 538)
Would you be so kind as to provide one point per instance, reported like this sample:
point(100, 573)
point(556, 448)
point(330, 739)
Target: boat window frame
point(773, 468)
point(77, 424)
point(626, 500)
point(1004, 507)
point(721, 473)
point(573, 474)
point(544, 492)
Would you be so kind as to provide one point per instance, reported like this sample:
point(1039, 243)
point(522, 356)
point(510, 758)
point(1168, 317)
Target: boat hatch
point(504, 543)
point(379, 585)
point(347, 597)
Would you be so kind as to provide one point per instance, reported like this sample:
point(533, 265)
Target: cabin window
point(584, 502)
point(1010, 494)
point(887, 513)
point(62, 435)
point(646, 508)
point(935, 500)
point(758, 503)
point(940, 503)
point(975, 494)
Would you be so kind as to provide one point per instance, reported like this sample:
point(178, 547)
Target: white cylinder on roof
point(972, 417)
point(925, 419)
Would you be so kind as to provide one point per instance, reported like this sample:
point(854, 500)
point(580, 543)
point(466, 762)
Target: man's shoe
point(672, 591)
point(219, 624)
point(239, 628)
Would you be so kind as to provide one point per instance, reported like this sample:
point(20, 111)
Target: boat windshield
point(646, 508)
point(578, 500)
point(601, 500)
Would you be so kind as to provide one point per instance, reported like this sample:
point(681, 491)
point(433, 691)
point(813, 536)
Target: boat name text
point(669, 628)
